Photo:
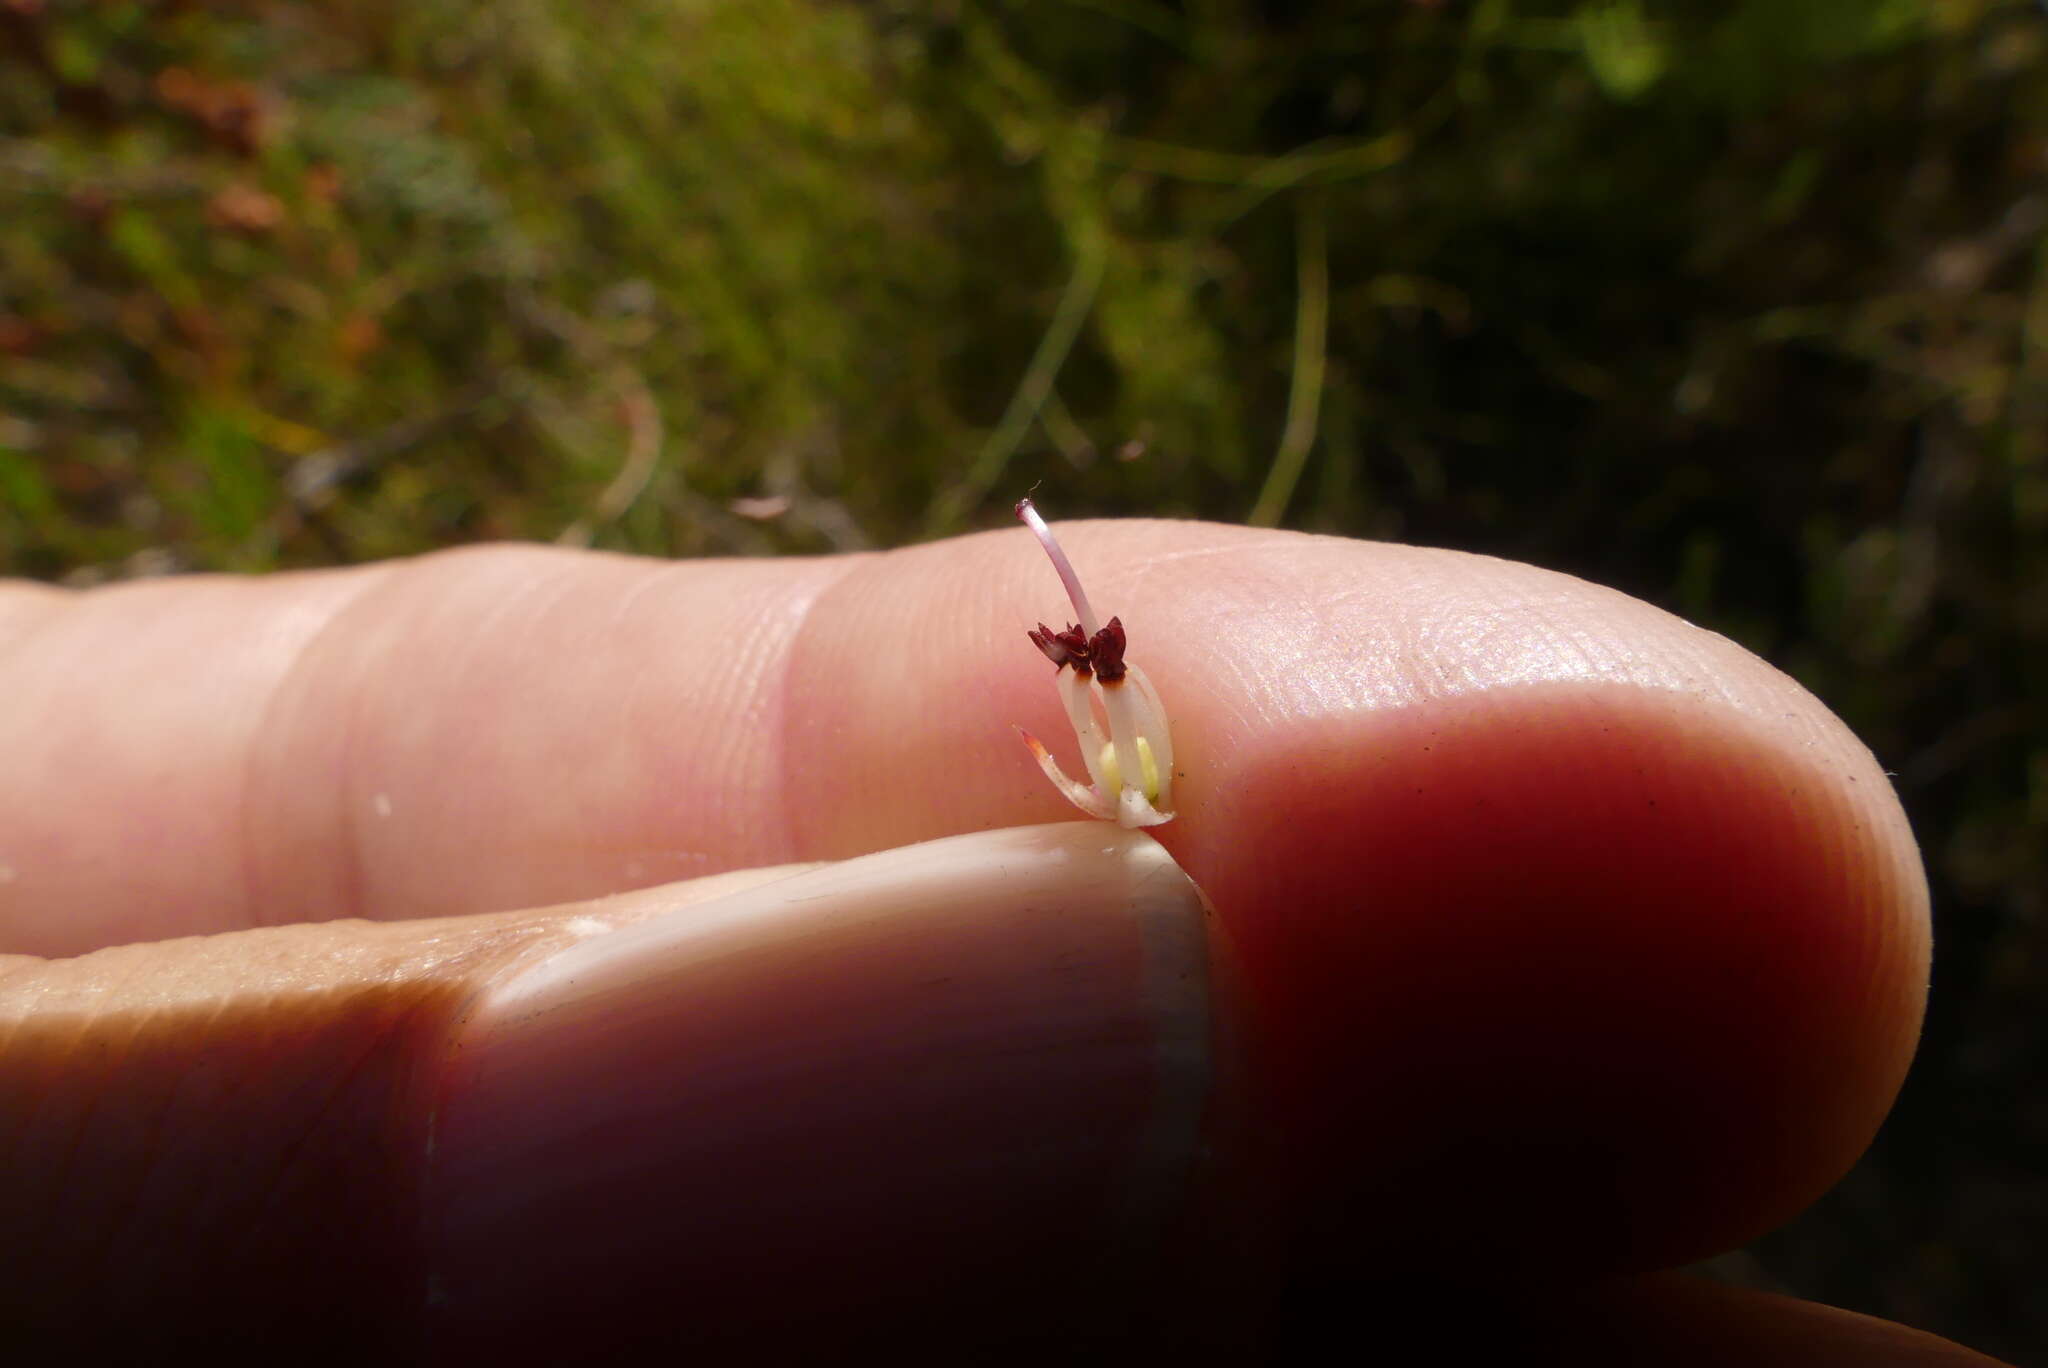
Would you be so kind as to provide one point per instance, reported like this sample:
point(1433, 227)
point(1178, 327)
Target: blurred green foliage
point(1742, 307)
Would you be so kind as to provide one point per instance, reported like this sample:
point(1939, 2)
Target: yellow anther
point(1114, 778)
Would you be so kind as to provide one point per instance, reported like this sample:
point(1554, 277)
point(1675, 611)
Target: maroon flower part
point(1062, 648)
point(1106, 651)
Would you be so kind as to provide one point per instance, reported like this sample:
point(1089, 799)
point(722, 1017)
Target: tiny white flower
point(1131, 772)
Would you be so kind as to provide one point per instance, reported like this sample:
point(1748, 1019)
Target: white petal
point(1079, 795)
point(1153, 727)
point(1074, 691)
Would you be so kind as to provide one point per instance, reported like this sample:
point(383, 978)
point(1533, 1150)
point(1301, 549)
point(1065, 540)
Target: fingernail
point(961, 1085)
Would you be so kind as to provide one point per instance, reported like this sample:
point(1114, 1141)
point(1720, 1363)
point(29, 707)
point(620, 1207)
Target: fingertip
point(1569, 976)
point(1567, 932)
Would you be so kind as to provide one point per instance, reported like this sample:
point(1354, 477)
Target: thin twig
point(1328, 162)
point(1053, 347)
point(1311, 337)
point(643, 454)
point(642, 413)
point(1068, 435)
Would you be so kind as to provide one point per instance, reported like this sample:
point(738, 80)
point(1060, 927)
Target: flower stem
point(1065, 567)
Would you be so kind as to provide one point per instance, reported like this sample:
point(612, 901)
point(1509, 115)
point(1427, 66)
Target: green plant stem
point(1053, 347)
point(1311, 337)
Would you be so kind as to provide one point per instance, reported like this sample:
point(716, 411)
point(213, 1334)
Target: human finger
point(955, 1092)
point(1573, 933)
point(955, 1089)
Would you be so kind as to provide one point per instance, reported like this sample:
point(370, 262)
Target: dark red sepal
point(1062, 648)
point(1106, 652)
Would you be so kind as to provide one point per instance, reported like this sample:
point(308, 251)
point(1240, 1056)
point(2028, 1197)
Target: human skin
point(1554, 941)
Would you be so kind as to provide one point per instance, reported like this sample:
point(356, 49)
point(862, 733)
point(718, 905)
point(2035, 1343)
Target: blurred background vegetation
point(1741, 307)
